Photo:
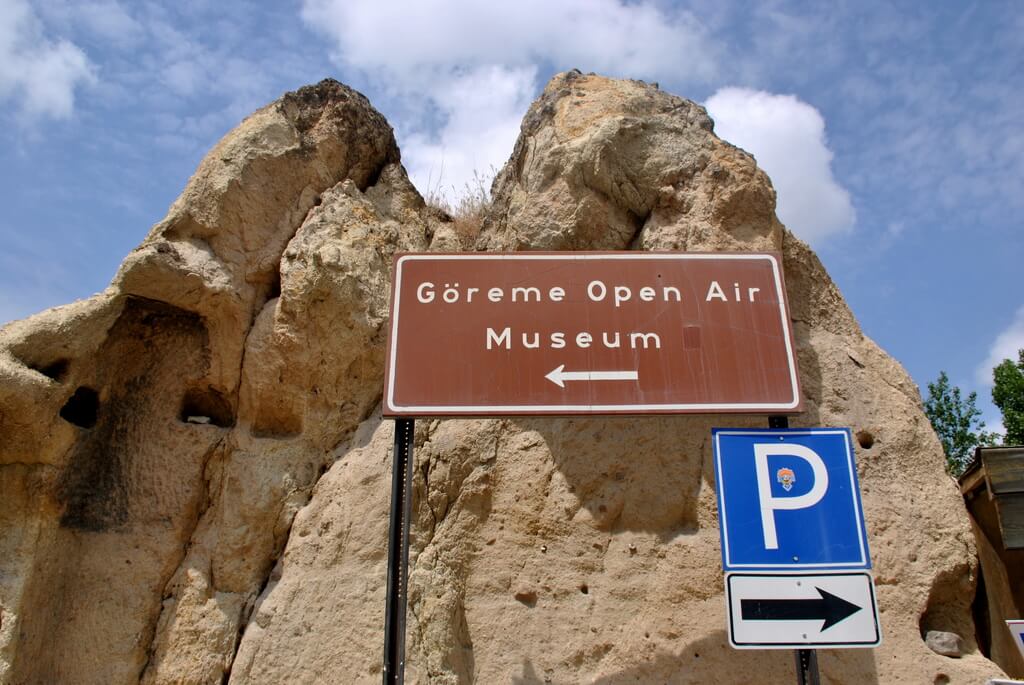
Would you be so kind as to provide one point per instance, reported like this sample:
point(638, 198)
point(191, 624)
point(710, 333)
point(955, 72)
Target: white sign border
point(441, 410)
point(863, 563)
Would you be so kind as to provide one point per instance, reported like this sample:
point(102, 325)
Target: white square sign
point(802, 611)
point(1017, 630)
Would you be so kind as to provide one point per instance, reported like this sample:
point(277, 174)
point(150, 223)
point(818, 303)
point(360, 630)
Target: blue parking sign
point(789, 499)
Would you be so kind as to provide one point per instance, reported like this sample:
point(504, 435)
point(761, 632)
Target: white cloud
point(787, 136)
point(475, 65)
point(109, 20)
point(38, 73)
point(106, 20)
point(483, 108)
point(1005, 346)
point(636, 39)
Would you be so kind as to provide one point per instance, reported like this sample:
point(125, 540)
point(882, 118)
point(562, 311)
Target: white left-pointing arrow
point(558, 376)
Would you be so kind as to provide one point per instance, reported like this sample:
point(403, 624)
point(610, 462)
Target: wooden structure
point(998, 473)
point(993, 490)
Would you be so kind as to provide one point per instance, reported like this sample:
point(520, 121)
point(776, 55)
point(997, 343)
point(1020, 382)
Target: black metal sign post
point(807, 667)
point(806, 659)
point(398, 554)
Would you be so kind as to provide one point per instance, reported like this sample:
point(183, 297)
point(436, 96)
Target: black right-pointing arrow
point(829, 608)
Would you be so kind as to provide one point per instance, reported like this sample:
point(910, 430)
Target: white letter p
point(770, 504)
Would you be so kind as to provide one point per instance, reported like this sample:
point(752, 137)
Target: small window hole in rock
point(274, 288)
point(268, 284)
point(865, 439)
point(584, 589)
point(57, 369)
point(82, 408)
point(206, 406)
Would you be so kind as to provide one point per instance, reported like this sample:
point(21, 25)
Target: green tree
point(957, 423)
point(1008, 395)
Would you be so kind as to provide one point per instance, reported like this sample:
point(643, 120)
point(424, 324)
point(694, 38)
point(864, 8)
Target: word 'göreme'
point(622, 429)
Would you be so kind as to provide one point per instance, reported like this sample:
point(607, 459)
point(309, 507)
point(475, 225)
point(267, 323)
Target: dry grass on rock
point(467, 207)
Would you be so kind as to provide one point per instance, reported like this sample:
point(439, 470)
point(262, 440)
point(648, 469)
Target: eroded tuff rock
point(195, 473)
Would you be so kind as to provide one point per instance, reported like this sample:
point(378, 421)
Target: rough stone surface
point(140, 543)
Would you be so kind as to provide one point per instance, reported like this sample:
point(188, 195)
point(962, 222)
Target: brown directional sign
point(589, 333)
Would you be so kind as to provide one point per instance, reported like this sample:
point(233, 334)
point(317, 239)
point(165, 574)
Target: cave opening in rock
point(82, 408)
point(206, 405)
point(57, 369)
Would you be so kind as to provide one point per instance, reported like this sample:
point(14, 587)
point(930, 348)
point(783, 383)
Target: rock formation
point(195, 473)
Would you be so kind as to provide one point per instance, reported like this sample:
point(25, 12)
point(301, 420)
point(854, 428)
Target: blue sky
point(891, 130)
